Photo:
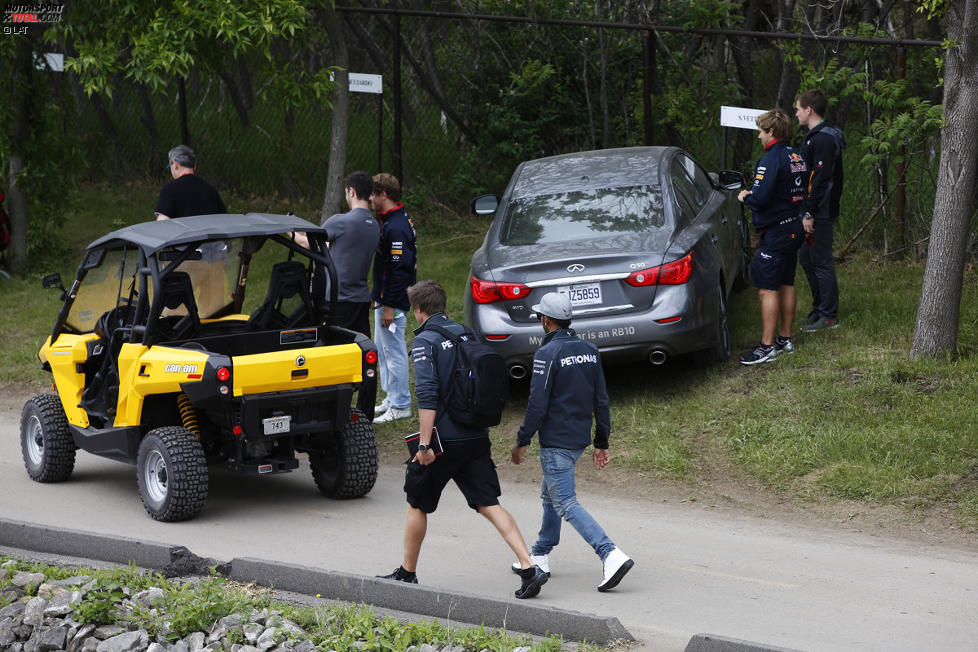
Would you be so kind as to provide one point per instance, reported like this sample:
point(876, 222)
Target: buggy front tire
point(45, 440)
point(172, 474)
point(348, 468)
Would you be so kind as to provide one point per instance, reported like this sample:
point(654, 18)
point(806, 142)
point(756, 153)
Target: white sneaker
point(616, 564)
point(393, 414)
point(382, 407)
point(535, 560)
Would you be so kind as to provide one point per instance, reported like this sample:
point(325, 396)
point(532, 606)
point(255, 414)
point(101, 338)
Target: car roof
point(155, 235)
point(601, 168)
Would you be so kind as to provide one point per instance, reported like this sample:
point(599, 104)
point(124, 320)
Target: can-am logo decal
point(180, 368)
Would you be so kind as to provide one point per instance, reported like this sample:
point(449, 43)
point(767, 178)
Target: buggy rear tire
point(45, 440)
point(172, 474)
point(348, 468)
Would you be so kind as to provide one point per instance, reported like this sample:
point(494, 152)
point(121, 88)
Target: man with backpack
point(567, 387)
point(467, 456)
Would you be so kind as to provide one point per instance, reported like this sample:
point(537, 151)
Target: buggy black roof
point(153, 236)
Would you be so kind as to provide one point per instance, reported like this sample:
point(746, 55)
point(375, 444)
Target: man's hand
point(809, 224)
point(425, 458)
point(387, 316)
point(518, 454)
point(742, 194)
point(601, 457)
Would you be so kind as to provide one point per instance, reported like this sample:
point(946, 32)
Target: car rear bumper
point(679, 321)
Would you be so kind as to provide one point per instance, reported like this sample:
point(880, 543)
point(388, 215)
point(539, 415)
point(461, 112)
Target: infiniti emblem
point(576, 268)
point(301, 360)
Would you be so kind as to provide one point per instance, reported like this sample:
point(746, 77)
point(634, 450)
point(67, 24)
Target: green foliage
point(195, 606)
point(100, 605)
point(152, 43)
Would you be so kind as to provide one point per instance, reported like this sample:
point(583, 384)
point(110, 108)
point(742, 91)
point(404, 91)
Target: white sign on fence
point(739, 117)
point(363, 83)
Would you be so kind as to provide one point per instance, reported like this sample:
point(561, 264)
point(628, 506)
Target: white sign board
point(53, 60)
point(741, 118)
point(364, 83)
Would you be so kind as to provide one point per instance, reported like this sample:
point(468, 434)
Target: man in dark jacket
point(775, 200)
point(187, 194)
point(467, 457)
point(566, 388)
point(395, 269)
point(822, 151)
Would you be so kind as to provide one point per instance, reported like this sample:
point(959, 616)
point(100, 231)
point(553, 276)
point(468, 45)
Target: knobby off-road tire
point(45, 440)
point(720, 351)
point(348, 469)
point(172, 474)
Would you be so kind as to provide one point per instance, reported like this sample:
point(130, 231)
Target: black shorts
point(354, 315)
point(777, 256)
point(469, 463)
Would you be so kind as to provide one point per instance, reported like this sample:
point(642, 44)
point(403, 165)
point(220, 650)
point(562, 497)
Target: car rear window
point(582, 214)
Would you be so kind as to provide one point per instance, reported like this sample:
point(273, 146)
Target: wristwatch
point(423, 448)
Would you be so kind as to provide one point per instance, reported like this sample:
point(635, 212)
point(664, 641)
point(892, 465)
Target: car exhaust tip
point(517, 372)
point(658, 356)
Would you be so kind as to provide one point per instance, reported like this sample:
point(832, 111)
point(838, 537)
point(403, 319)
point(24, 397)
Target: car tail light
point(223, 374)
point(497, 338)
point(490, 291)
point(675, 273)
point(371, 357)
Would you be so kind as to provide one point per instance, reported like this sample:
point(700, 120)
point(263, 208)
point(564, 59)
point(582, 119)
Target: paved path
point(696, 571)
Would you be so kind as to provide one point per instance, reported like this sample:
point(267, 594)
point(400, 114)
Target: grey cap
point(183, 155)
point(555, 306)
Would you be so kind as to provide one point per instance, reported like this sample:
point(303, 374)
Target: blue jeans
point(393, 358)
point(560, 503)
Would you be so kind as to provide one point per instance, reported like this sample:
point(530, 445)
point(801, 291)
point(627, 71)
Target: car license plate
point(277, 425)
point(584, 294)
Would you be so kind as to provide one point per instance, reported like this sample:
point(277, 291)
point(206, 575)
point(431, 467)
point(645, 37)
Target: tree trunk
point(20, 130)
point(341, 109)
point(236, 99)
point(936, 332)
point(149, 121)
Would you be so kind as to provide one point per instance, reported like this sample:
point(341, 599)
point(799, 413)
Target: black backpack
point(479, 387)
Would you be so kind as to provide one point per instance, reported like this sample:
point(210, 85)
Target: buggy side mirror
point(53, 281)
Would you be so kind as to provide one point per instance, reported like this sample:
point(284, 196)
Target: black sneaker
point(533, 578)
point(761, 353)
point(401, 575)
point(820, 324)
point(783, 345)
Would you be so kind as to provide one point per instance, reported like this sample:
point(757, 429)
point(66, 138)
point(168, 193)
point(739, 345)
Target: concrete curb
point(519, 615)
point(713, 643)
point(512, 614)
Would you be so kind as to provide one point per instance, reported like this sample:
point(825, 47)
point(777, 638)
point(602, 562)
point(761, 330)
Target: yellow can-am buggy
point(165, 357)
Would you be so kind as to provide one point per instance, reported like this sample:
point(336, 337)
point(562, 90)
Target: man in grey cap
point(187, 194)
point(567, 387)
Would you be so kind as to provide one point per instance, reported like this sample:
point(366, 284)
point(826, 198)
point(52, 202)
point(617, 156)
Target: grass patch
point(195, 605)
point(848, 415)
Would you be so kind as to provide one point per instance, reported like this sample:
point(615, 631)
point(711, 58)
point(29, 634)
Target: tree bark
point(239, 105)
point(341, 110)
point(20, 130)
point(938, 315)
point(149, 121)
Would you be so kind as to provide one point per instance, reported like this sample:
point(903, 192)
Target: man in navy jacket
point(776, 199)
point(395, 269)
point(822, 151)
point(467, 457)
point(567, 387)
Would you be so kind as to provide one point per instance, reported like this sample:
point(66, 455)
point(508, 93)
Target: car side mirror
point(484, 205)
point(732, 180)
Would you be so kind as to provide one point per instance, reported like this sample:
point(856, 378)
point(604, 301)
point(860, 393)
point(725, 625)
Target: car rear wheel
point(45, 441)
point(720, 351)
point(172, 474)
point(348, 468)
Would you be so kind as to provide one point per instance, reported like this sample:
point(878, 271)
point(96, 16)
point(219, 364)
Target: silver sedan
point(647, 244)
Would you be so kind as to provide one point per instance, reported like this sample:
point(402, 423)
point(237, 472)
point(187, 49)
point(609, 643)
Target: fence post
point(398, 161)
point(648, 55)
